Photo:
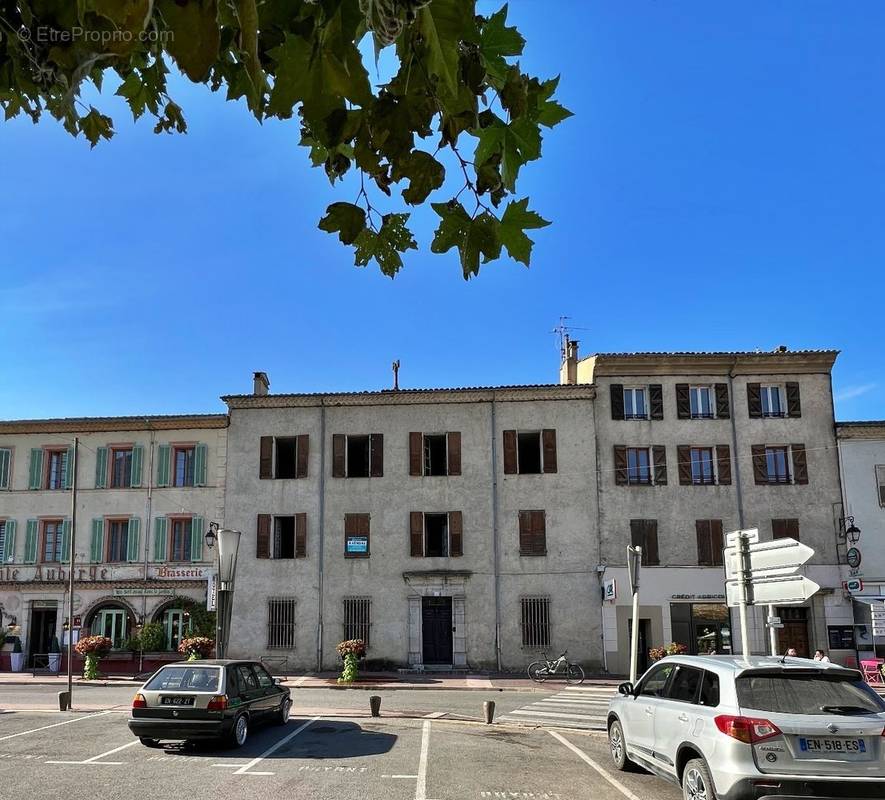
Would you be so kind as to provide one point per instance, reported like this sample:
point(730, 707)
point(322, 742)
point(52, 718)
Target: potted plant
point(16, 657)
point(672, 649)
point(54, 655)
point(351, 651)
point(93, 648)
point(152, 637)
point(196, 647)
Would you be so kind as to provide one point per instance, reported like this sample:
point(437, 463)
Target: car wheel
point(240, 732)
point(618, 747)
point(282, 716)
point(696, 781)
point(148, 742)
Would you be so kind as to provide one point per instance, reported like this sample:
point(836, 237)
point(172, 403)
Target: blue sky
point(722, 186)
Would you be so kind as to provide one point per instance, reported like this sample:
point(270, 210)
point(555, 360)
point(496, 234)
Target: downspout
point(147, 532)
point(495, 544)
point(322, 533)
point(599, 532)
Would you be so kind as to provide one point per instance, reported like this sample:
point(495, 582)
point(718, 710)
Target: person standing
point(820, 655)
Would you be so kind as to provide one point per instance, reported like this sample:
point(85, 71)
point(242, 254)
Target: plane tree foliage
point(456, 97)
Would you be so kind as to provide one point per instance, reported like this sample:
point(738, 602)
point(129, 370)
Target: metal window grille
point(358, 618)
point(535, 622)
point(281, 623)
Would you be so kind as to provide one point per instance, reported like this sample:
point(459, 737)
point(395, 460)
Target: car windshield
point(807, 694)
point(193, 679)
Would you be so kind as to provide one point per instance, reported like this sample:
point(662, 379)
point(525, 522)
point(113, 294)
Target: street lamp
point(228, 542)
point(850, 531)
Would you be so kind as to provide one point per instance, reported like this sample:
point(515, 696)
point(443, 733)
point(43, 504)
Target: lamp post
point(228, 542)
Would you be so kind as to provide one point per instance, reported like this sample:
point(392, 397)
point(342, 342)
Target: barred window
point(281, 623)
point(535, 622)
point(357, 618)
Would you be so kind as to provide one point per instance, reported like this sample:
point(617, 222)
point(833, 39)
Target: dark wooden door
point(795, 631)
point(42, 631)
point(436, 620)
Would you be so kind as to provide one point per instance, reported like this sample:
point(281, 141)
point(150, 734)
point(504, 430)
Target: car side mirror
point(626, 689)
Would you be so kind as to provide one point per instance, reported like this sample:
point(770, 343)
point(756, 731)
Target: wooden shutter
point(779, 528)
point(705, 544)
point(265, 458)
point(723, 406)
point(376, 455)
point(717, 541)
point(301, 535)
point(160, 539)
point(723, 464)
point(96, 545)
point(35, 476)
point(659, 454)
point(201, 464)
point(68, 468)
point(617, 400)
point(302, 455)
point(453, 447)
point(416, 453)
point(31, 541)
point(416, 534)
point(5, 461)
point(164, 455)
point(620, 465)
point(683, 401)
point(794, 400)
point(262, 540)
point(198, 532)
point(133, 537)
point(8, 553)
point(800, 464)
point(683, 459)
point(754, 399)
point(66, 539)
point(137, 466)
point(650, 555)
point(339, 455)
point(656, 401)
point(510, 452)
point(548, 439)
point(456, 534)
point(532, 533)
point(760, 466)
point(101, 467)
point(793, 528)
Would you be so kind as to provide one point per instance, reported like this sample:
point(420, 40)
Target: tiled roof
point(713, 353)
point(145, 422)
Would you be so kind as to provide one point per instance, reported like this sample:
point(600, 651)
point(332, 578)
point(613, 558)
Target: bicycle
point(539, 671)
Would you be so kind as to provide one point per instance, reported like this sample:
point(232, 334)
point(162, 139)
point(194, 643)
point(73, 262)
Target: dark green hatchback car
point(207, 700)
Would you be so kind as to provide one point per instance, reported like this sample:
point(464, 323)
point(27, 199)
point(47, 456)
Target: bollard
point(488, 706)
point(375, 705)
point(64, 701)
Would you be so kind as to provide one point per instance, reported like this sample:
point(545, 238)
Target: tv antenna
point(563, 330)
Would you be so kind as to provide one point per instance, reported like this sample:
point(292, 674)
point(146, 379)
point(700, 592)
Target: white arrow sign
point(768, 559)
point(731, 537)
point(770, 591)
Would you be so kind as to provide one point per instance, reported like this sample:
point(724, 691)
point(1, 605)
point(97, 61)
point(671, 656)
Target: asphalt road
point(53, 754)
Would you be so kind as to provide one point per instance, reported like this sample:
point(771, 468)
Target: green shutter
point(8, 554)
point(197, 539)
point(69, 467)
point(160, 539)
point(200, 455)
point(31, 542)
point(164, 453)
point(66, 540)
point(5, 460)
point(132, 544)
point(137, 461)
point(35, 477)
point(96, 547)
point(101, 468)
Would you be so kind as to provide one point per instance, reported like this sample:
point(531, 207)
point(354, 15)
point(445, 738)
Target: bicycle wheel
point(538, 671)
point(574, 674)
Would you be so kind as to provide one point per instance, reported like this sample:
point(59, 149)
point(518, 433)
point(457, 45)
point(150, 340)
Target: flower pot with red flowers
point(351, 651)
point(672, 649)
point(93, 649)
point(196, 647)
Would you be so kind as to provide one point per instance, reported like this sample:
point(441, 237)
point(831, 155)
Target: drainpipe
point(495, 544)
point(599, 535)
point(322, 533)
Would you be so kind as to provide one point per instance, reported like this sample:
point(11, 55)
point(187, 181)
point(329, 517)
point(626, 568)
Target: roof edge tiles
point(147, 422)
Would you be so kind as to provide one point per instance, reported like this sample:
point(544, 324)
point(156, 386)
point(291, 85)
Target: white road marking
point(54, 725)
point(301, 680)
point(590, 762)
point(96, 760)
point(421, 785)
point(244, 770)
point(558, 715)
point(435, 714)
point(478, 682)
point(400, 776)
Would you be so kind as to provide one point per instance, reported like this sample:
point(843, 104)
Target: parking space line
point(590, 762)
point(96, 760)
point(435, 714)
point(54, 725)
point(244, 770)
point(421, 785)
point(412, 777)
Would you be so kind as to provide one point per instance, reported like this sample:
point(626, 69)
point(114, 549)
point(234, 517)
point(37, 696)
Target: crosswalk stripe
point(582, 707)
point(558, 714)
point(577, 701)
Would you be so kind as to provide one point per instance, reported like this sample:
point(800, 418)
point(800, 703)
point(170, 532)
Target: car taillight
point(747, 729)
point(217, 703)
point(138, 701)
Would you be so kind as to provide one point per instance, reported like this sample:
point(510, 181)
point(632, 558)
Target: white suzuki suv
point(732, 728)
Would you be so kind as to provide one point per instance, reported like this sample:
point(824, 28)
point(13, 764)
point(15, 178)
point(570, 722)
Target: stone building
point(146, 488)
point(446, 527)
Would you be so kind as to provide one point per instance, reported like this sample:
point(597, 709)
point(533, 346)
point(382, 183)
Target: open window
point(435, 454)
point(357, 456)
point(436, 535)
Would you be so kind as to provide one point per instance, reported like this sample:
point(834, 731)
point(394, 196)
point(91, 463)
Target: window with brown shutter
point(683, 465)
point(754, 400)
point(659, 454)
point(290, 456)
point(509, 452)
point(723, 406)
point(656, 401)
point(760, 469)
point(702, 470)
point(376, 455)
point(794, 400)
point(532, 533)
point(283, 537)
point(620, 465)
point(265, 458)
point(454, 452)
point(880, 483)
point(436, 535)
point(785, 529)
point(683, 401)
point(800, 463)
point(710, 543)
point(416, 453)
point(416, 534)
point(723, 464)
point(301, 535)
point(356, 536)
point(616, 391)
point(548, 436)
point(639, 466)
point(456, 534)
point(262, 541)
point(339, 455)
point(644, 534)
point(302, 456)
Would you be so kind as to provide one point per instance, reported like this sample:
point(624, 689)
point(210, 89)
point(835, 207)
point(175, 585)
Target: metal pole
point(634, 639)
point(220, 626)
point(772, 632)
point(73, 467)
point(743, 547)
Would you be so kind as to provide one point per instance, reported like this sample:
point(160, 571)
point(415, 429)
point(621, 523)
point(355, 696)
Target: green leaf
point(514, 92)
point(95, 126)
point(424, 172)
point(347, 219)
point(518, 143)
point(138, 94)
point(497, 41)
point(540, 107)
point(385, 245)
point(479, 236)
point(443, 25)
point(516, 220)
point(195, 35)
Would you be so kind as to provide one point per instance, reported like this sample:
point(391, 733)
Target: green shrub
point(152, 637)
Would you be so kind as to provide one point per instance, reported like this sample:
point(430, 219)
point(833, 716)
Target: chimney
point(260, 383)
point(568, 372)
point(782, 348)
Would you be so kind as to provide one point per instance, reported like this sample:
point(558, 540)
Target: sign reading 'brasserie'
point(168, 573)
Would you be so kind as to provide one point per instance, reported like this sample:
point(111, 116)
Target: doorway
point(795, 631)
point(42, 630)
point(436, 625)
point(644, 637)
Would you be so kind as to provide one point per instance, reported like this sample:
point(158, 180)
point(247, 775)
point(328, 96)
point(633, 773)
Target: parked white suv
point(729, 728)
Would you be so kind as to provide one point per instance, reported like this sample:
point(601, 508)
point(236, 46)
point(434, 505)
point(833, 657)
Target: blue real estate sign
point(357, 544)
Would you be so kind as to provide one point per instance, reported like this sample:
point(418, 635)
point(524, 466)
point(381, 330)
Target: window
point(281, 623)
point(202, 679)
point(436, 460)
point(634, 403)
point(535, 622)
point(53, 539)
point(56, 469)
point(785, 529)
point(111, 622)
point(180, 540)
point(246, 678)
point(118, 540)
point(702, 466)
point(841, 637)
point(772, 401)
point(357, 618)
point(638, 465)
point(529, 452)
point(357, 456)
point(777, 464)
point(5, 468)
point(804, 693)
point(436, 535)
point(121, 468)
point(701, 402)
point(265, 681)
point(432, 454)
point(656, 682)
point(284, 457)
point(177, 624)
point(685, 684)
point(644, 534)
point(284, 537)
point(356, 535)
point(183, 459)
point(880, 483)
point(710, 542)
point(780, 464)
point(709, 695)
point(532, 533)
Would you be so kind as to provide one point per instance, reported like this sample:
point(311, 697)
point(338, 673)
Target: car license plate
point(173, 700)
point(830, 747)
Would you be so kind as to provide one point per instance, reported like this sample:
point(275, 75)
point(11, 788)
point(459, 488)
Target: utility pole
point(73, 467)
point(743, 548)
point(634, 561)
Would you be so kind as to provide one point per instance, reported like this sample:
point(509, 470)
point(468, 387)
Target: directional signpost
point(764, 573)
point(878, 612)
